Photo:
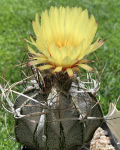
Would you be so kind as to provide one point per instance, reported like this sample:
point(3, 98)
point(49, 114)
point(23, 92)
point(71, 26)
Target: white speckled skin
point(59, 127)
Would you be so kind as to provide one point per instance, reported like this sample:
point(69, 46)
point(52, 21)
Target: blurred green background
point(15, 25)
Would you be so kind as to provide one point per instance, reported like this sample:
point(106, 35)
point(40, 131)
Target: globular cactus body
point(62, 124)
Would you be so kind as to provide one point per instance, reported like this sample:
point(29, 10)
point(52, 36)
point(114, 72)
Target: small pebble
point(103, 137)
point(104, 142)
point(100, 141)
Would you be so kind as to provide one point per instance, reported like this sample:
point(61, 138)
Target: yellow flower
point(64, 38)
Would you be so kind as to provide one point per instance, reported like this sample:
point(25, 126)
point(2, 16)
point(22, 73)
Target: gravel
point(101, 141)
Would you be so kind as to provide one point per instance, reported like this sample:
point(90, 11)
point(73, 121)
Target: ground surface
point(15, 25)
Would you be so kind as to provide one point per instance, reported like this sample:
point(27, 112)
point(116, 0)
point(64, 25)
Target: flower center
point(66, 43)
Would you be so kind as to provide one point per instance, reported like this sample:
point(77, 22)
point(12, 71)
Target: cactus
point(65, 120)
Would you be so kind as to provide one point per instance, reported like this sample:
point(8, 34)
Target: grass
point(15, 25)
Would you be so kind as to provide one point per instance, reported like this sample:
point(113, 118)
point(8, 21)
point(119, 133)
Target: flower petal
point(31, 50)
point(35, 62)
point(83, 54)
point(98, 45)
point(46, 28)
point(66, 62)
point(91, 48)
point(52, 50)
point(58, 69)
point(90, 35)
point(55, 52)
point(34, 28)
point(70, 72)
point(54, 23)
point(73, 62)
point(64, 51)
point(73, 54)
point(40, 58)
point(79, 48)
point(45, 67)
point(46, 52)
point(32, 41)
point(83, 61)
point(40, 45)
point(51, 60)
point(86, 67)
point(29, 42)
point(75, 68)
point(37, 23)
point(62, 24)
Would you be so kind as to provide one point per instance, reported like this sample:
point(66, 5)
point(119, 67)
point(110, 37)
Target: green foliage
point(15, 25)
point(5, 142)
